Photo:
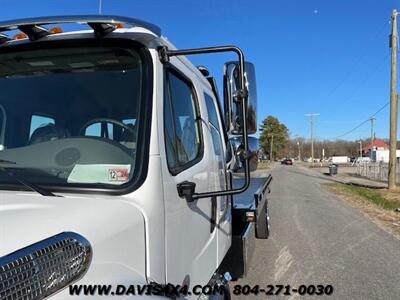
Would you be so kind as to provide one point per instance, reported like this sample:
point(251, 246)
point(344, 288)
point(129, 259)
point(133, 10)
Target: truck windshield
point(71, 114)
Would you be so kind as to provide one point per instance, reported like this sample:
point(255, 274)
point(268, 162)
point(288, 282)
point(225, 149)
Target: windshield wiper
point(9, 162)
point(29, 185)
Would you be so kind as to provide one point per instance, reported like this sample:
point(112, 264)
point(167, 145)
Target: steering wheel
point(106, 120)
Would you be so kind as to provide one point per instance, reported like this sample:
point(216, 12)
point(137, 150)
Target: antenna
point(100, 6)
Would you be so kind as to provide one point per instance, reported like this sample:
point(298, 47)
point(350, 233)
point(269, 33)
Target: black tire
point(226, 295)
point(228, 292)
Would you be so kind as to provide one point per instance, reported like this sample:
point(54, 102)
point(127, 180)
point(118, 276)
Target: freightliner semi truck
point(120, 165)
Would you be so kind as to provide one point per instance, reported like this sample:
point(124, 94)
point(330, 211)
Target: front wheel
point(226, 295)
point(220, 288)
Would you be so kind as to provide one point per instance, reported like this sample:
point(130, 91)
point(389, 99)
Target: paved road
point(319, 239)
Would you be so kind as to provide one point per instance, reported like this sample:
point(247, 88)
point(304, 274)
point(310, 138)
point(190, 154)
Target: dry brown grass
point(393, 196)
point(263, 165)
point(378, 205)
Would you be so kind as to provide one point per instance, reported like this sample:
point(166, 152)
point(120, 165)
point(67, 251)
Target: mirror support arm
point(241, 96)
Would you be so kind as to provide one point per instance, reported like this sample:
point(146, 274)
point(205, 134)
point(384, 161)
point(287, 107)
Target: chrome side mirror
point(238, 151)
point(233, 109)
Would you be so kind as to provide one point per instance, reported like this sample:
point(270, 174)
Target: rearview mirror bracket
point(240, 96)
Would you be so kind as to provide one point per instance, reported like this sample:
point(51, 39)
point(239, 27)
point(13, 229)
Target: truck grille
point(39, 270)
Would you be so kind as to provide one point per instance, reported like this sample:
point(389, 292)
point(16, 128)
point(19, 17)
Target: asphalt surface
point(316, 238)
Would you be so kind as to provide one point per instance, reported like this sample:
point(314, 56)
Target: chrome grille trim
point(43, 268)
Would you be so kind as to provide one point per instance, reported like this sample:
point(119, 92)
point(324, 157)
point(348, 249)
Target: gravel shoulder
point(386, 218)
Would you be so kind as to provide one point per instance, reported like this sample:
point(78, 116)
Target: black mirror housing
point(186, 190)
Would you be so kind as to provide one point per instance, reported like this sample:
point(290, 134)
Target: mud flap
point(237, 261)
point(262, 214)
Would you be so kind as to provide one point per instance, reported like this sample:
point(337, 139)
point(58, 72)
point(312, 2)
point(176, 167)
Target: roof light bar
point(102, 29)
point(34, 32)
point(79, 19)
point(19, 36)
point(4, 39)
point(56, 30)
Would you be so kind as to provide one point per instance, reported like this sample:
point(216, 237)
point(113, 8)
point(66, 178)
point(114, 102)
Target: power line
point(357, 62)
point(365, 121)
point(366, 78)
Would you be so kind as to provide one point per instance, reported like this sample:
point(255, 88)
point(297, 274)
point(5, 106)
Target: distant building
point(380, 151)
point(377, 145)
point(383, 155)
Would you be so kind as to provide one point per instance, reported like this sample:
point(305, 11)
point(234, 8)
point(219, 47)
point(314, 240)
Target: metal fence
point(376, 170)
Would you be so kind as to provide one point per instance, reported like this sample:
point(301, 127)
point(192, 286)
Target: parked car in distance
point(363, 159)
point(287, 161)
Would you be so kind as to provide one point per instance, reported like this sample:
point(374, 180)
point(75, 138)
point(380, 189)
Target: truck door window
point(93, 130)
point(113, 132)
point(182, 131)
point(103, 130)
point(214, 125)
point(38, 121)
point(216, 136)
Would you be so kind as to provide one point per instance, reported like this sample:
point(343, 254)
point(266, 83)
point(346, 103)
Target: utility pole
point(312, 115)
point(360, 147)
point(372, 136)
point(100, 6)
point(298, 145)
point(393, 105)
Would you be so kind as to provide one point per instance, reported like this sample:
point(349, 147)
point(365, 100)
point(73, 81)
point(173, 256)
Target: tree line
point(330, 148)
point(275, 138)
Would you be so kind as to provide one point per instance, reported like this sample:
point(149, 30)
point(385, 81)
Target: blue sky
point(329, 57)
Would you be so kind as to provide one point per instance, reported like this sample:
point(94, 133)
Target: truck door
point(191, 247)
point(219, 178)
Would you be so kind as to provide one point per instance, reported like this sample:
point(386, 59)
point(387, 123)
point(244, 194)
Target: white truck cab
point(117, 160)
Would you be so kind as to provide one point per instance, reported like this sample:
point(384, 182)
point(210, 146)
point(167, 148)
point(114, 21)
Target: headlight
point(41, 269)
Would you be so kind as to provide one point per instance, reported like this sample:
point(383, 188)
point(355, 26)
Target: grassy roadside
point(379, 205)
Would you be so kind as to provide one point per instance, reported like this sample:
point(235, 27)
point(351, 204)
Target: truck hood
point(114, 227)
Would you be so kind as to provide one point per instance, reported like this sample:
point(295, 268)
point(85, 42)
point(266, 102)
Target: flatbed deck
point(246, 200)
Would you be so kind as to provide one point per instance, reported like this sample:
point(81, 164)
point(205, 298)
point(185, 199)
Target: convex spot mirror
point(233, 109)
point(238, 150)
